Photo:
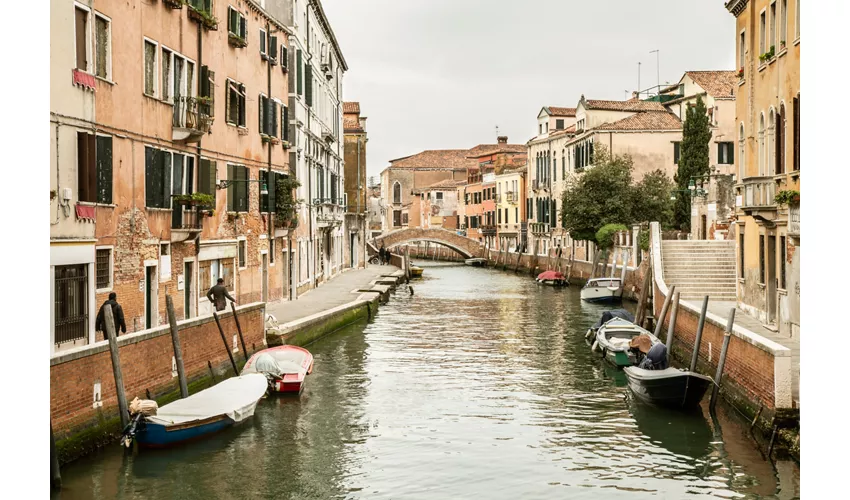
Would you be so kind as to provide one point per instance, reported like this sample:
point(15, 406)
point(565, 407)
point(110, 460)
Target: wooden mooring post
point(55, 476)
point(698, 338)
point(226, 345)
point(727, 337)
point(640, 317)
point(671, 328)
point(664, 307)
point(239, 330)
point(175, 342)
point(116, 367)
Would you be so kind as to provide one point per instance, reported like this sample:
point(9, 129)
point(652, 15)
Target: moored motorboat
point(615, 341)
point(415, 271)
point(551, 278)
point(671, 387)
point(197, 416)
point(476, 262)
point(602, 290)
point(608, 316)
point(285, 367)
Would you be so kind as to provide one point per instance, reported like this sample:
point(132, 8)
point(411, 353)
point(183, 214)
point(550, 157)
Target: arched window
point(742, 166)
point(780, 140)
point(770, 142)
point(396, 193)
point(762, 157)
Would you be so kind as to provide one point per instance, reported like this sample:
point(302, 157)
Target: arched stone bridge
point(467, 247)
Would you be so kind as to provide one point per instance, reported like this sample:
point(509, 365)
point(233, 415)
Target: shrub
point(605, 236)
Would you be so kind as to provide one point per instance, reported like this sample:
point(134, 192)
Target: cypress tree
point(693, 159)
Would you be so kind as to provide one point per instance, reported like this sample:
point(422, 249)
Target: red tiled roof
point(649, 120)
point(488, 149)
point(434, 158)
point(444, 184)
point(350, 107)
point(716, 83)
point(558, 111)
point(630, 105)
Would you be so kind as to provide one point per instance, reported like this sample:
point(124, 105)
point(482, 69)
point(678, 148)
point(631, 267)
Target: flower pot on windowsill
point(206, 19)
point(173, 4)
point(236, 41)
point(285, 144)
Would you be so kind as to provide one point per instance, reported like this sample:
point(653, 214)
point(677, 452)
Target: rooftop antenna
point(638, 80)
point(497, 131)
point(657, 66)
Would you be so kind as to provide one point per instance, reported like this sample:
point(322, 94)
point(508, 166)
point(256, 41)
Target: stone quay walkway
point(336, 292)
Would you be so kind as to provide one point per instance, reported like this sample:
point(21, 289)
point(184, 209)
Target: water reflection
point(479, 385)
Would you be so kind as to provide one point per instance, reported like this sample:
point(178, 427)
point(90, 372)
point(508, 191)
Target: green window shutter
point(243, 196)
point(272, 187)
point(730, 150)
point(242, 106)
point(264, 199)
point(165, 201)
point(243, 28)
point(150, 174)
point(676, 152)
point(273, 47)
point(262, 113)
point(284, 57)
point(205, 184)
point(190, 174)
point(177, 176)
point(284, 123)
point(308, 82)
point(104, 169)
point(231, 189)
point(228, 116)
point(262, 41)
point(273, 117)
point(232, 21)
point(299, 69)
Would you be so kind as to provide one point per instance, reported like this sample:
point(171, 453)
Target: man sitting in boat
point(656, 358)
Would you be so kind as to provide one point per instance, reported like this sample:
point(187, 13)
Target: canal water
point(479, 385)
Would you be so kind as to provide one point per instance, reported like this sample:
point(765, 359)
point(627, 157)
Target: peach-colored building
point(152, 103)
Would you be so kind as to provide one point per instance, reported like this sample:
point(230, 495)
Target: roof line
point(317, 4)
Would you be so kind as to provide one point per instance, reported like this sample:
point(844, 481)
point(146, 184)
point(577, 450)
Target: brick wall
point(146, 365)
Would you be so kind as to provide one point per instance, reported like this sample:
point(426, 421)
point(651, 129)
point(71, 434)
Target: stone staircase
point(699, 268)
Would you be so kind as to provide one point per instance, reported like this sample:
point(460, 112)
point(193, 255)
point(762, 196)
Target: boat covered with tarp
point(284, 366)
point(197, 416)
point(552, 278)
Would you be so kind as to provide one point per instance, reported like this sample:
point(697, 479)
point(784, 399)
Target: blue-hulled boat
point(199, 415)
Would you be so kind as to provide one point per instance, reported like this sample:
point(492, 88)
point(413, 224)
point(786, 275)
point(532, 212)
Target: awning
point(85, 213)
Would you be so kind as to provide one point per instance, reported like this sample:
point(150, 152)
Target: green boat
point(613, 341)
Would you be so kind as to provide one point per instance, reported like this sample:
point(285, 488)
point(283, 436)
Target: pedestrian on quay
point(217, 294)
point(117, 316)
point(383, 253)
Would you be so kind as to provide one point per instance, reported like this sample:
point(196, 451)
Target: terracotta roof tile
point(715, 83)
point(434, 158)
point(649, 120)
point(350, 107)
point(558, 111)
point(488, 149)
point(444, 184)
point(630, 105)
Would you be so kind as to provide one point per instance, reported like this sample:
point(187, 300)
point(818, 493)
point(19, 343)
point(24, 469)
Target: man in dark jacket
point(117, 315)
point(217, 294)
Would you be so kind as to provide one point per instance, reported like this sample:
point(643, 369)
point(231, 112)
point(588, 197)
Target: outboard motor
point(656, 358)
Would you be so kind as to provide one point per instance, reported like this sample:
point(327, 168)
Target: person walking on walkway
point(217, 294)
point(117, 316)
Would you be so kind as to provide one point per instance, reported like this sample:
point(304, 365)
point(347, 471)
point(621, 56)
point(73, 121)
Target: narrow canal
point(480, 385)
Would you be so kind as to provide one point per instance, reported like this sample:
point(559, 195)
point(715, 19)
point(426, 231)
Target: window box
point(198, 12)
point(236, 41)
point(269, 138)
point(285, 144)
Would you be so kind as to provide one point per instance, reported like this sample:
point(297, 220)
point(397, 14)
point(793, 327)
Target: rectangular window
point(782, 262)
point(150, 68)
point(207, 91)
point(183, 174)
point(284, 55)
point(761, 259)
point(797, 133)
point(94, 168)
point(772, 26)
point(783, 21)
point(284, 122)
point(404, 219)
point(741, 254)
point(762, 34)
point(797, 24)
point(243, 253)
point(237, 192)
point(272, 251)
point(299, 69)
point(676, 152)
point(157, 178)
point(235, 103)
point(237, 24)
point(439, 195)
point(396, 218)
point(81, 31)
point(268, 202)
point(263, 40)
point(165, 262)
point(742, 50)
point(70, 299)
point(559, 124)
point(103, 47)
point(165, 93)
point(103, 268)
point(725, 153)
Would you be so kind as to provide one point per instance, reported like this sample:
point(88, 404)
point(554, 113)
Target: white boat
point(602, 290)
point(614, 341)
point(477, 262)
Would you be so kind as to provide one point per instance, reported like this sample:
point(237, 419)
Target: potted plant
point(285, 144)
point(236, 41)
point(173, 4)
point(781, 44)
point(788, 197)
point(741, 73)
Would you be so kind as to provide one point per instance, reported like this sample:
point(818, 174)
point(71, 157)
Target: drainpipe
point(309, 166)
point(269, 175)
point(359, 191)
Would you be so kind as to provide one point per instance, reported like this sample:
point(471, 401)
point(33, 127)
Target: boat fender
point(594, 346)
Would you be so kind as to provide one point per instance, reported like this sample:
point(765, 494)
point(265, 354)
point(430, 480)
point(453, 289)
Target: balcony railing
point(512, 197)
point(487, 230)
point(186, 217)
point(191, 119)
point(794, 220)
point(539, 227)
point(758, 193)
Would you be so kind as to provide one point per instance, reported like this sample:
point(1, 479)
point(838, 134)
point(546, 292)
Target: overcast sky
point(442, 74)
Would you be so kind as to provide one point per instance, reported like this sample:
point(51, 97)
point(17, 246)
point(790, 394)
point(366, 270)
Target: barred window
point(103, 268)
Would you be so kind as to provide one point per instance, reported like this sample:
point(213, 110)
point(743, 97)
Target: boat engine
point(139, 409)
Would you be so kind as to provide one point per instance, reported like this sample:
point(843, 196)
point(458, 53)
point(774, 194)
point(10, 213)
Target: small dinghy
point(655, 383)
point(606, 317)
point(602, 290)
point(285, 367)
point(477, 262)
point(197, 416)
point(552, 278)
point(619, 341)
point(415, 271)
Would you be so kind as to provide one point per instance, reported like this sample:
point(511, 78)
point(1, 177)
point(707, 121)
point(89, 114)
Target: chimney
point(635, 96)
point(362, 122)
point(502, 139)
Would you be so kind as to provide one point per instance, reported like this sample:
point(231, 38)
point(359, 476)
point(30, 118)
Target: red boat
point(285, 367)
point(552, 278)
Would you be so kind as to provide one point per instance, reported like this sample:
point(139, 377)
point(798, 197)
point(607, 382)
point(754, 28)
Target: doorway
point(352, 247)
point(188, 288)
point(771, 279)
point(150, 296)
point(703, 225)
point(264, 277)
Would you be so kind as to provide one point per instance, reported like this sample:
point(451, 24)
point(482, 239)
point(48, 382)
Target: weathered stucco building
point(356, 207)
point(768, 162)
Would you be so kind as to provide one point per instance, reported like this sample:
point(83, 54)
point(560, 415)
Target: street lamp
point(225, 183)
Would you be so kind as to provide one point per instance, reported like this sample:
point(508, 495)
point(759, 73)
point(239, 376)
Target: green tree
point(600, 196)
point(651, 200)
point(693, 160)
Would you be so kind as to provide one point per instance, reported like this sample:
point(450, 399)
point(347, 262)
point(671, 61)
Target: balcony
point(757, 197)
point(794, 221)
point(487, 230)
point(539, 227)
point(512, 197)
point(191, 119)
point(187, 220)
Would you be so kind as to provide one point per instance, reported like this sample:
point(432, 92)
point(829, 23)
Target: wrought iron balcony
point(187, 220)
point(191, 119)
point(539, 227)
point(794, 220)
point(512, 197)
point(487, 230)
